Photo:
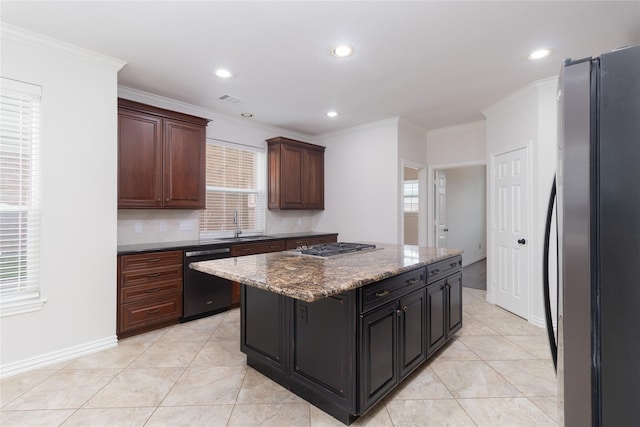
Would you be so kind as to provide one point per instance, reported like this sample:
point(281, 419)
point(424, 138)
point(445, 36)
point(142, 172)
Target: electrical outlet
point(479, 246)
point(137, 227)
point(163, 226)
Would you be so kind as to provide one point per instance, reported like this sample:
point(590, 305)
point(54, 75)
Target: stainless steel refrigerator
point(598, 222)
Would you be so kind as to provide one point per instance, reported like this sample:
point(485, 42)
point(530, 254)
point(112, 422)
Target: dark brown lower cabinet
point(346, 352)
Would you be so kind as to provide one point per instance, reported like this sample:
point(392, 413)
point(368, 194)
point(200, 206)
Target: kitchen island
point(342, 332)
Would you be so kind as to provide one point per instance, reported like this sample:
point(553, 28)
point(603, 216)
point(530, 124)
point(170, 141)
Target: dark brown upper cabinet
point(161, 158)
point(296, 174)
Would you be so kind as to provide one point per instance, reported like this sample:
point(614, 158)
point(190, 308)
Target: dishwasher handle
point(220, 251)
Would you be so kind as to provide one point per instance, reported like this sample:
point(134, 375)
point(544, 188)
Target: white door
point(441, 209)
point(510, 227)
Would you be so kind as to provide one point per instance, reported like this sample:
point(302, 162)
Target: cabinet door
point(263, 323)
point(412, 339)
point(139, 159)
point(436, 328)
point(322, 345)
point(291, 177)
point(454, 306)
point(313, 179)
point(379, 372)
point(184, 165)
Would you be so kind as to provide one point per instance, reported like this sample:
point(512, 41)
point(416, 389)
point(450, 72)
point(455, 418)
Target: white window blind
point(235, 182)
point(19, 193)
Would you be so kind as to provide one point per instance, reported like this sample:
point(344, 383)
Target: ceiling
point(434, 63)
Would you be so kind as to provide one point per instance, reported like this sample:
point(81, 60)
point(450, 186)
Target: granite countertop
point(310, 278)
point(211, 243)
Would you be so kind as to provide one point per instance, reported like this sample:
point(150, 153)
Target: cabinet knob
point(522, 241)
point(399, 312)
point(405, 308)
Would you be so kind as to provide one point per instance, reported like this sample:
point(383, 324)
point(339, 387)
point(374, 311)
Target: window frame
point(259, 191)
point(22, 294)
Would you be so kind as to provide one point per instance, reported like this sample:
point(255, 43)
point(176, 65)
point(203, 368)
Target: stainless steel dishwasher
point(204, 294)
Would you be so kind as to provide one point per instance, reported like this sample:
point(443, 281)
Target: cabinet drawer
point(376, 294)
point(140, 314)
point(150, 260)
point(151, 276)
point(310, 241)
point(150, 290)
point(257, 248)
point(442, 269)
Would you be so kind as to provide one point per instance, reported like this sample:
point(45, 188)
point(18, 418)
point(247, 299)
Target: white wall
point(450, 147)
point(466, 212)
point(527, 117)
point(165, 225)
point(456, 145)
point(362, 183)
point(412, 150)
point(78, 217)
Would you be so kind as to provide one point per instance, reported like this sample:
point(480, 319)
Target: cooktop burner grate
point(331, 249)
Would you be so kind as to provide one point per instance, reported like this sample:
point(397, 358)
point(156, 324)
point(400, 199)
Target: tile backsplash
point(174, 225)
point(156, 225)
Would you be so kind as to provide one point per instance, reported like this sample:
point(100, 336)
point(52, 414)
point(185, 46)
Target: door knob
point(522, 241)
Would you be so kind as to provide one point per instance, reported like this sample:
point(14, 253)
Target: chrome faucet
point(237, 231)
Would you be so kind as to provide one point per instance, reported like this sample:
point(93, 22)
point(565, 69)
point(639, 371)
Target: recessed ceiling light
point(342, 51)
point(332, 114)
point(539, 54)
point(225, 74)
point(247, 115)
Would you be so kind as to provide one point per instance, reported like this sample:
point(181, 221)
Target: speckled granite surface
point(310, 278)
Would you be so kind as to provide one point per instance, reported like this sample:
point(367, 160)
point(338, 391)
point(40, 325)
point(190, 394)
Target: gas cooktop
point(331, 249)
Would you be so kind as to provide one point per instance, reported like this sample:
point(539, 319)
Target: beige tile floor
point(496, 372)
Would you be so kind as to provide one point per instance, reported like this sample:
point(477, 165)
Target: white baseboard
point(538, 321)
point(57, 356)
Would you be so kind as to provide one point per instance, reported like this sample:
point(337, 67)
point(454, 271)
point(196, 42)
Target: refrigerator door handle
point(545, 277)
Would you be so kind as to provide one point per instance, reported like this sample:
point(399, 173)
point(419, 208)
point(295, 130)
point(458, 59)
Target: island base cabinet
point(379, 372)
point(444, 301)
point(262, 324)
point(393, 345)
point(346, 352)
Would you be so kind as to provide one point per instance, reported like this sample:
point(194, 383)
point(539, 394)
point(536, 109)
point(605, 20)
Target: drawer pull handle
point(150, 291)
point(435, 271)
point(413, 281)
point(382, 294)
point(454, 264)
point(150, 260)
point(153, 274)
point(155, 310)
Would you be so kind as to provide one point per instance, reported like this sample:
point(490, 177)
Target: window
point(19, 197)
point(235, 182)
point(411, 195)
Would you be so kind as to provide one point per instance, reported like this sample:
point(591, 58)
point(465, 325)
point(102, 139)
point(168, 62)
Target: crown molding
point(480, 124)
point(553, 80)
point(384, 122)
point(21, 35)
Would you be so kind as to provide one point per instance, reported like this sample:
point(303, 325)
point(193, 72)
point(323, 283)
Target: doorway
point(458, 209)
point(411, 205)
point(509, 230)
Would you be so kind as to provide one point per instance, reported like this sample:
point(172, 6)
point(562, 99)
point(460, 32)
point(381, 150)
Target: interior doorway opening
point(411, 205)
point(458, 209)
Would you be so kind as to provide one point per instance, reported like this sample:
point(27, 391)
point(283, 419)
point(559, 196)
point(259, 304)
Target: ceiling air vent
point(232, 99)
